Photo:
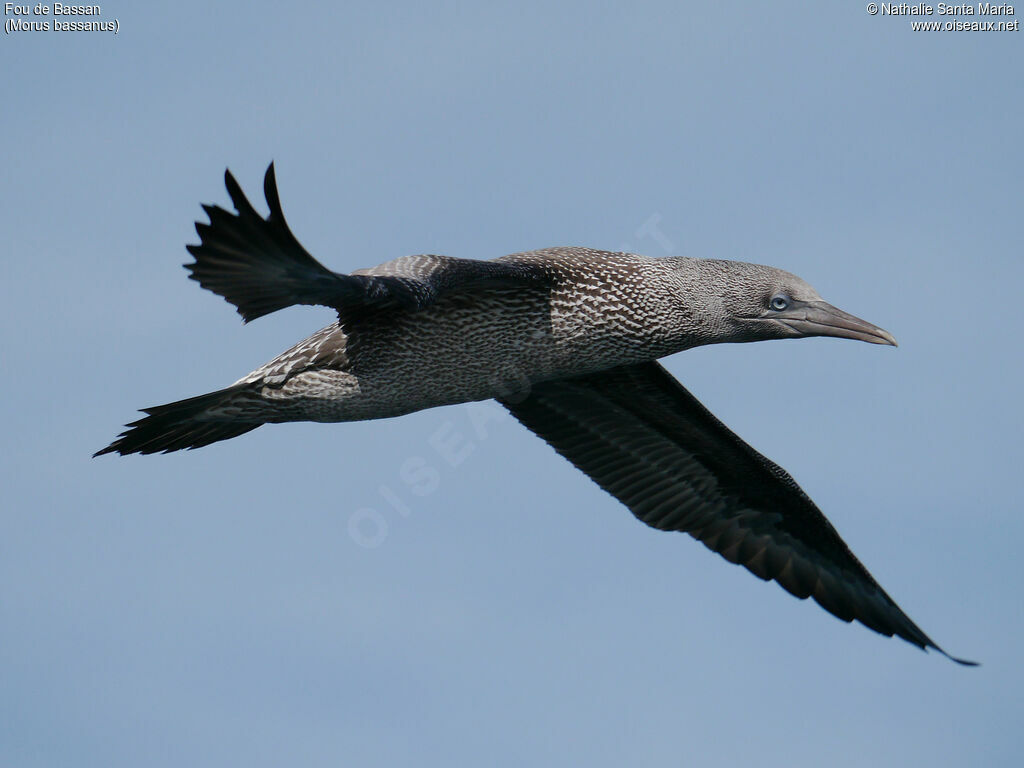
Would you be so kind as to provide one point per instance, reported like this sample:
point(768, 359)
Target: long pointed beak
point(821, 319)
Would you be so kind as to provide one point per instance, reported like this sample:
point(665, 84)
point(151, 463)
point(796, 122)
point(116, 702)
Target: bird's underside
point(512, 327)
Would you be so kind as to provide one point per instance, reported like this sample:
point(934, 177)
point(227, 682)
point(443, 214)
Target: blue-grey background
point(223, 607)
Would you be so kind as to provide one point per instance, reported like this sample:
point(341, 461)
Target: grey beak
point(821, 319)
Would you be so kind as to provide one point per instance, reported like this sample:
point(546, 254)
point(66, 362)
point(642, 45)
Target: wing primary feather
point(259, 265)
point(646, 440)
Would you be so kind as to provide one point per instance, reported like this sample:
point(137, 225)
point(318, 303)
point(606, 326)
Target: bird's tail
point(190, 423)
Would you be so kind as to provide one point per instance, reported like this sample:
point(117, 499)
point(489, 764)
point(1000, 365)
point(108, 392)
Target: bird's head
point(758, 303)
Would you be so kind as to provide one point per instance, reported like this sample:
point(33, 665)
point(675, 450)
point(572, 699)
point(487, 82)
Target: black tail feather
point(186, 424)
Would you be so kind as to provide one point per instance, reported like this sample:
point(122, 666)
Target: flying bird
point(567, 339)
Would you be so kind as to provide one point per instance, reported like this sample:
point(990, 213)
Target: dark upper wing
point(646, 440)
point(259, 266)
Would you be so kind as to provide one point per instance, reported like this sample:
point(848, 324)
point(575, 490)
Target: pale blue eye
point(779, 302)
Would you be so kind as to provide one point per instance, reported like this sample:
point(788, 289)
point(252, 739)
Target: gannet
point(568, 340)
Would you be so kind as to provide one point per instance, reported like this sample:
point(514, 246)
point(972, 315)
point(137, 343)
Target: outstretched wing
point(258, 265)
point(647, 441)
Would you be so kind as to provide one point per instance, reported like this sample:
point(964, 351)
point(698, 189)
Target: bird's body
point(566, 339)
point(465, 346)
point(592, 310)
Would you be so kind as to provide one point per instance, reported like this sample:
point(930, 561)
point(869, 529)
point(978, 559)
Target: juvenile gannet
point(568, 340)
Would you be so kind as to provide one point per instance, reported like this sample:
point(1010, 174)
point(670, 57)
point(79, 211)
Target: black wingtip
point(238, 198)
point(233, 187)
point(961, 662)
point(255, 263)
point(270, 193)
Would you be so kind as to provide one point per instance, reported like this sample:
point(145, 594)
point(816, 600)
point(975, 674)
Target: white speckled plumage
point(593, 310)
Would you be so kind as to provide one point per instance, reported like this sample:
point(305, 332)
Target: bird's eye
point(779, 302)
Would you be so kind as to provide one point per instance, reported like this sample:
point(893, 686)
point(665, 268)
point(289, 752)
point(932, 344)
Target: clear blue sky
point(213, 608)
